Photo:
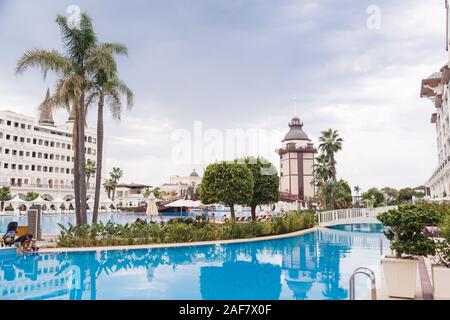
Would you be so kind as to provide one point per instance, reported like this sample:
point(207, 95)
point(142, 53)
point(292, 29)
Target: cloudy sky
point(239, 64)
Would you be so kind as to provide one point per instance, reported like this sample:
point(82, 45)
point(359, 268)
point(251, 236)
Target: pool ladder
point(370, 274)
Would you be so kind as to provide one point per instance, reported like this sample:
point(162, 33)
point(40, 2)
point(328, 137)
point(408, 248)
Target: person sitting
point(26, 243)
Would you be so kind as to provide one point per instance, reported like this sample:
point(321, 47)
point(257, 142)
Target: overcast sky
point(238, 64)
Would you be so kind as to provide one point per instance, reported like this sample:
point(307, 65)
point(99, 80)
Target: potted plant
point(440, 270)
point(405, 230)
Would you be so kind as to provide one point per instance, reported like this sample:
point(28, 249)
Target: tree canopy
point(227, 183)
point(5, 195)
point(374, 195)
point(266, 183)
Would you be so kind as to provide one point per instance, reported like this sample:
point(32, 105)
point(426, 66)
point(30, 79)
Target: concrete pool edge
point(183, 244)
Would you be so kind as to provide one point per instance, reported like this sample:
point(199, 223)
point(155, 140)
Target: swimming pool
point(315, 266)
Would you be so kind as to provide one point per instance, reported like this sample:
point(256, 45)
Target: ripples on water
point(313, 266)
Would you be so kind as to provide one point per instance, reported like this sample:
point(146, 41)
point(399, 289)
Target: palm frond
point(45, 60)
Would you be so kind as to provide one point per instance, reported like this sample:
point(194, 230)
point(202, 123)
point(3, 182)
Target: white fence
point(351, 216)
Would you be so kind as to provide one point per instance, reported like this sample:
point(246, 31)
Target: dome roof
point(194, 174)
point(296, 132)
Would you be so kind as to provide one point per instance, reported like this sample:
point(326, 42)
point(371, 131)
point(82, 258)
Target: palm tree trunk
point(82, 159)
point(98, 177)
point(76, 175)
point(333, 165)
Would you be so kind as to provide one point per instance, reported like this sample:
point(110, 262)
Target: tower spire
point(46, 112)
point(295, 107)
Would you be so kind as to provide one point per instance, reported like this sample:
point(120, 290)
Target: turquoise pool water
point(313, 266)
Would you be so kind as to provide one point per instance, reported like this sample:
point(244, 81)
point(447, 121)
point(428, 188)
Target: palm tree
point(90, 170)
point(322, 169)
point(357, 189)
point(109, 185)
point(116, 174)
point(106, 85)
point(5, 195)
point(330, 144)
point(72, 70)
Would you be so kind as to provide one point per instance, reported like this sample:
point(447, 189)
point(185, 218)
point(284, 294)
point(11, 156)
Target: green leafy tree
point(5, 195)
point(31, 196)
point(406, 194)
point(391, 195)
point(374, 195)
point(406, 230)
point(335, 195)
point(227, 183)
point(156, 192)
point(330, 144)
point(266, 183)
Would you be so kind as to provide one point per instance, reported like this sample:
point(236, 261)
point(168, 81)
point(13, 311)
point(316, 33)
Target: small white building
point(182, 186)
point(130, 195)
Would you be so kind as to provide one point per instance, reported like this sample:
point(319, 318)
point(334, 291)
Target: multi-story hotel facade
point(37, 156)
point(436, 88)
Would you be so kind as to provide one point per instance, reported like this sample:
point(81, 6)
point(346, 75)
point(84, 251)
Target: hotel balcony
point(43, 187)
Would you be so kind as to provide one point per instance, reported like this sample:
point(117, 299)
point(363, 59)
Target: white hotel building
point(436, 88)
point(37, 156)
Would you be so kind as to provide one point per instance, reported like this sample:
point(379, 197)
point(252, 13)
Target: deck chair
point(10, 235)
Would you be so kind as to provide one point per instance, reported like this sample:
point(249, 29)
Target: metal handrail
point(370, 274)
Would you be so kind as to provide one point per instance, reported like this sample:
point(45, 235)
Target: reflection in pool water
point(313, 266)
point(363, 227)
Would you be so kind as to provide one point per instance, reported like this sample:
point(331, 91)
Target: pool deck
point(180, 245)
point(424, 287)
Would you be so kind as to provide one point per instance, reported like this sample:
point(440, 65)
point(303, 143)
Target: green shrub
point(179, 230)
point(406, 229)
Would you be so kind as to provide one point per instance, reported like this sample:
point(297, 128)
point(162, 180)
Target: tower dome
point(194, 174)
point(296, 132)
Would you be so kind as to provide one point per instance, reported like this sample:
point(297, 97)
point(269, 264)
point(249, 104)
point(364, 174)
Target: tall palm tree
point(322, 169)
point(90, 169)
point(106, 86)
point(116, 174)
point(109, 185)
point(357, 189)
point(330, 144)
point(71, 70)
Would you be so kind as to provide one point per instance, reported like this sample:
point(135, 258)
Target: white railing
point(354, 215)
